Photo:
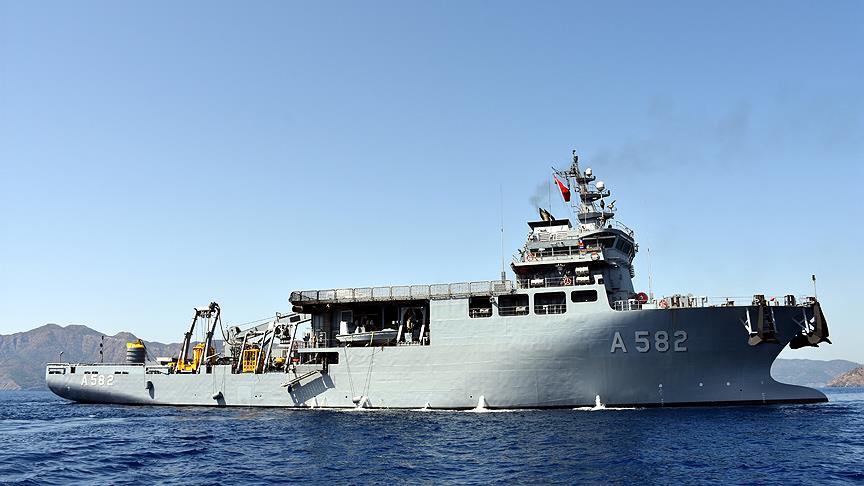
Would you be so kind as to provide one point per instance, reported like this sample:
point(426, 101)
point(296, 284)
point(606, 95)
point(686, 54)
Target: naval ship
point(568, 331)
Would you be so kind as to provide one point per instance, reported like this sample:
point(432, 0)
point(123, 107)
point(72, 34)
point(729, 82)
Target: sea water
point(48, 440)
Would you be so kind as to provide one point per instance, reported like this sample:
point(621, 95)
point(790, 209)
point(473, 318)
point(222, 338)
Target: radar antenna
point(591, 207)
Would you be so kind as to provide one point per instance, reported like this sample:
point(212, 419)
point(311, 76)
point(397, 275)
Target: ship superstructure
point(568, 329)
point(592, 250)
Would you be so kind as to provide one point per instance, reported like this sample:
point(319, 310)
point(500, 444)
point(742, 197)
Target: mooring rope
point(255, 321)
point(369, 372)
point(348, 369)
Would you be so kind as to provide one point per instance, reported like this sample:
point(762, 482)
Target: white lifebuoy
point(595, 256)
point(567, 281)
point(664, 304)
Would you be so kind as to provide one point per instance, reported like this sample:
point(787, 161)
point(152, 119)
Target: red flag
point(564, 190)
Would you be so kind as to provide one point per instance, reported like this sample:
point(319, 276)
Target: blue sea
point(47, 440)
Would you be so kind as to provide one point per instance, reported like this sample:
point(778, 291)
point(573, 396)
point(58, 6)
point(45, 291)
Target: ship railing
point(96, 364)
point(518, 310)
point(623, 227)
point(314, 343)
point(565, 253)
point(550, 309)
point(424, 341)
point(567, 281)
point(626, 305)
point(679, 301)
point(689, 301)
point(335, 343)
point(403, 292)
point(543, 236)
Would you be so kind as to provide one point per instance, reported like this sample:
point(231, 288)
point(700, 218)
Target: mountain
point(850, 378)
point(23, 355)
point(809, 372)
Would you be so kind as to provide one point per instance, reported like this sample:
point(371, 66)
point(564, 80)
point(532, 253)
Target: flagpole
point(501, 208)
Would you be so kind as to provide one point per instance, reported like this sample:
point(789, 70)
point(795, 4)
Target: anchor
point(813, 330)
point(764, 331)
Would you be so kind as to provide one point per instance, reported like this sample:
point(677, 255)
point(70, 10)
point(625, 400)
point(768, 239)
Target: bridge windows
point(624, 246)
point(583, 296)
point(607, 241)
point(550, 303)
point(604, 240)
point(513, 305)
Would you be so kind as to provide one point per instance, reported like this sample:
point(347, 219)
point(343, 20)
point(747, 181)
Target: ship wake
point(600, 406)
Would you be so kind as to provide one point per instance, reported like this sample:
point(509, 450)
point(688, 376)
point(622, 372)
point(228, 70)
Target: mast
point(587, 210)
point(501, 200)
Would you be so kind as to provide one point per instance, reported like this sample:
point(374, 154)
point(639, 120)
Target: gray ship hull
point(644, 358)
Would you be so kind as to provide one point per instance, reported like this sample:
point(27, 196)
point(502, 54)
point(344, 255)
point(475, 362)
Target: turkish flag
point(565, 192)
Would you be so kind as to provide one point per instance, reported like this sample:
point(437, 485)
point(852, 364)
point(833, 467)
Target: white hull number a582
point(644, 342)
point(97, 380)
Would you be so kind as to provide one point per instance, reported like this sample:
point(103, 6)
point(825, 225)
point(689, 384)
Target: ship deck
point(402, 292)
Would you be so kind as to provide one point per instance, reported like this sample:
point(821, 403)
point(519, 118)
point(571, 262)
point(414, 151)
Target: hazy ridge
point(23, 355)
point(810, 372)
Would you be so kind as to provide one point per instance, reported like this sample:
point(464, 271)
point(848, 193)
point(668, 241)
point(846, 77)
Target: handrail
point(693, 301)
point(403, 292)
point(480, 312)
point(561, 235)
point(543, 309)
point(312, 343)
point(516, 310)
point(623, 227)
point(574, 234)
point(96, 364)
point(564, 253)
point(564, 281)
point(626, 305)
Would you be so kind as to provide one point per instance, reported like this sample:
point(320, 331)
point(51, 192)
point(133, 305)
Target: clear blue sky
point(156, 156)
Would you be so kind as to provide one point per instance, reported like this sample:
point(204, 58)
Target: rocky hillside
point(809, 372)
point(23, 355)
point(850, 378)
